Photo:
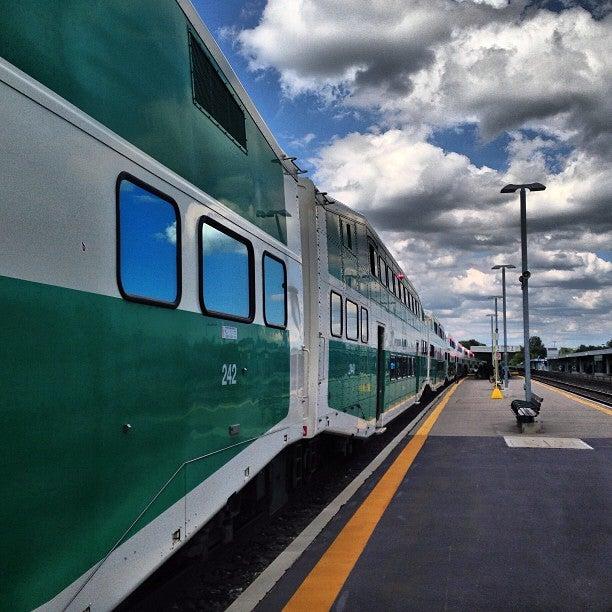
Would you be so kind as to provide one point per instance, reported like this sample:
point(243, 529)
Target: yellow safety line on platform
point(577, 398)
point(321, 587)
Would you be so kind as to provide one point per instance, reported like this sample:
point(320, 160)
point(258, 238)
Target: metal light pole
point(503, 267)
point(491, 316)
point(495, 345)
point(524, 278)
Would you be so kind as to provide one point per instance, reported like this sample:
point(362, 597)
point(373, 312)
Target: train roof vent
point(212, 95)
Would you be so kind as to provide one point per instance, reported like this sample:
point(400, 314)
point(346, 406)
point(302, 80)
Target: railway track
point(600, 392)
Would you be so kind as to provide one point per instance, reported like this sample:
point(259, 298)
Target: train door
point(380, 371)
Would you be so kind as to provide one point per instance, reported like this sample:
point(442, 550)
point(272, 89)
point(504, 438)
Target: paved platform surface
point(476, 524)
point(471, 412)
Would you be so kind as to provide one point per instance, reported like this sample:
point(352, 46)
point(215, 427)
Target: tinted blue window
point(225, 273)
point(275, 280)
point(148, 260)
point(365, 328)
point(335, 314)
point(352, 322)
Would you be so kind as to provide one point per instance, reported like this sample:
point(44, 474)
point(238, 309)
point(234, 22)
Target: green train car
point(179, 308)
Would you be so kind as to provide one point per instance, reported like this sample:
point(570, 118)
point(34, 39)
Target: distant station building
point(483, 353)
point(597, 362)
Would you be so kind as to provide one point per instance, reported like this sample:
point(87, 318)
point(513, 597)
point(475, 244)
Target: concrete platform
point(472, 523)
point(471, 412)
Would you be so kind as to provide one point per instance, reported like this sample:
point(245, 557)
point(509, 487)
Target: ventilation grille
point(212, 95)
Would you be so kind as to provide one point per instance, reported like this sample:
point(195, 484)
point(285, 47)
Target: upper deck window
point(373, 259)
point(148, 244)
point(212, 95)
point(349, 237)
point(381, 269)
point(226, 273)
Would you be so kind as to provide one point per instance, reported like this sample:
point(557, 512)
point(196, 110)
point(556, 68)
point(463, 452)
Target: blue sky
point(417, 112)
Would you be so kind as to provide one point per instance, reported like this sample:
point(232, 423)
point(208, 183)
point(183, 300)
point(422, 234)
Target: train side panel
point(126, 424)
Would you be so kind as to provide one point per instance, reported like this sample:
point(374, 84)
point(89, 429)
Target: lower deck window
point(365, 325)
point(275, 291)
point(335, 314)
point(226, 273)
point(148, 244)
point(352, 321)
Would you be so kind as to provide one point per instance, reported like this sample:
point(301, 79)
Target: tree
point(609, 344)
point(587, 347)
point(516, 358)
point(470, 343)
point(537, 350)
point(564, 350)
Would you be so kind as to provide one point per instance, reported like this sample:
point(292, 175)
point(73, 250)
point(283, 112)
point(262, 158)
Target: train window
point(373, 260)
point(392, 367)
point(352, 320)
point(388, 277)
point(274, 291)
point(212, 95)
point(148, 244)
point(226, 272)
point(335, 314)
point(349, 237)
point(393, 287)
point(365, 325)
point(381, 269)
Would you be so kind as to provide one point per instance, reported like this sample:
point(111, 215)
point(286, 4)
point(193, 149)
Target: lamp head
point(500, 266)
point(511, 188)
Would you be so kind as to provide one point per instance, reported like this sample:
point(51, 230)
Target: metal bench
point(526, 412)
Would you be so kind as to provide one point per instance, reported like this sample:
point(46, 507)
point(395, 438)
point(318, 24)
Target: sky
point(417, 112)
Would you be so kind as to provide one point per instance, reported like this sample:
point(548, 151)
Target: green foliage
point(588, 347)
point(584, 347)
point(537, 350)
point(516, 358)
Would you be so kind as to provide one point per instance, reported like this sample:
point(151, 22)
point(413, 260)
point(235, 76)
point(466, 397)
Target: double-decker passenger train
point(180, 308)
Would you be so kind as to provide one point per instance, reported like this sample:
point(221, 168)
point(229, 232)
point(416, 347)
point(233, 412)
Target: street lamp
point(492, 346)
point(503, 267)
point(495, 346)
point(524, 278)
